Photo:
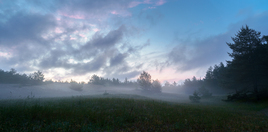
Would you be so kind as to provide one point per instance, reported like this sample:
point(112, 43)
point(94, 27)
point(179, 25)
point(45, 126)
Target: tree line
point(97, 80)
point(144, 82)
point(12, 77)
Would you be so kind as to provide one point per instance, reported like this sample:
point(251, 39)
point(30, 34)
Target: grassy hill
point(128, 113)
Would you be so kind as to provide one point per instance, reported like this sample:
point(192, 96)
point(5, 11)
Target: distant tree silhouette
point(145, 81)
point(167, 84)
point(156, 86)
point(37, 77)
point(126, 81)
point(209, 77)
point(174, 84)
point(95, 80)
point(214, 76)
point(12, 77)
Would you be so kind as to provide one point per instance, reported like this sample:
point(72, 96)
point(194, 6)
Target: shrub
point(248, 96)
point(195, 98)
point(105, 93)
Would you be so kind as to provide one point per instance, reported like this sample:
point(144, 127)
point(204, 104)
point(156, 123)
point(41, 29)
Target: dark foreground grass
point(119, 114)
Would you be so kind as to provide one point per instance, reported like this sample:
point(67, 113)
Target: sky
point(170, 39)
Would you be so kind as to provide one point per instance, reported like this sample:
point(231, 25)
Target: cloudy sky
point(74, 39)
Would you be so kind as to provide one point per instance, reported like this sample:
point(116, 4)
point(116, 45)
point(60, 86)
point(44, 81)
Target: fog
point(57, 90)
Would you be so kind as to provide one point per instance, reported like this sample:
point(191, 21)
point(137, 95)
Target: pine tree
point(248, 68)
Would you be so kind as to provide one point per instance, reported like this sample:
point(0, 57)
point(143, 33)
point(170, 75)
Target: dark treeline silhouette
point(96, 80)
point(246, 74)
point(144, 82)
point(213, 81)
point(12, 77)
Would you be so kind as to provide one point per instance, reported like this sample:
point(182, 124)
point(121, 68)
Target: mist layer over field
point(15, 91)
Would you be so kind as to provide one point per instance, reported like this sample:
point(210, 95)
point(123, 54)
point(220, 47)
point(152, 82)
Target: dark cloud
point(99, 50)
point(103, 42)
point(44, 35)
point(92, 66)
point(139, 66)
point(118, 59)
point(26, 28)
point(122, 72)
point(31, 50)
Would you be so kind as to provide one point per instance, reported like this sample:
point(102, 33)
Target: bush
point(76, 86)
point(105, 93)
point(195, 98)
point(248, 96)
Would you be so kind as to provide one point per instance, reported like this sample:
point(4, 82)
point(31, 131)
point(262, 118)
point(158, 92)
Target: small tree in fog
point(195, 98)
point(144, 81)
point(156, 86)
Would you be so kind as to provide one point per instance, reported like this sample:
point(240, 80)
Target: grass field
point(128, 113)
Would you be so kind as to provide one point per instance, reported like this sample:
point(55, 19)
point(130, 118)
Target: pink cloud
point(157, 3)
point(75, 16)
point(114, 12)
point(5, 55)
point(147, 2)
point(82, 35)
point(96, 29)
point(121, 12)
point(72, 38)
point(160, 2)
point(134, 3)
point(58, 30)
point(169, 74)
point(58, 18)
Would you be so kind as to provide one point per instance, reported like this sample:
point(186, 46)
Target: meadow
point(126, 112)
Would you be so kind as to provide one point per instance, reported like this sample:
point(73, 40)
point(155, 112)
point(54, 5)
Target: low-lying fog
point(15, 91)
